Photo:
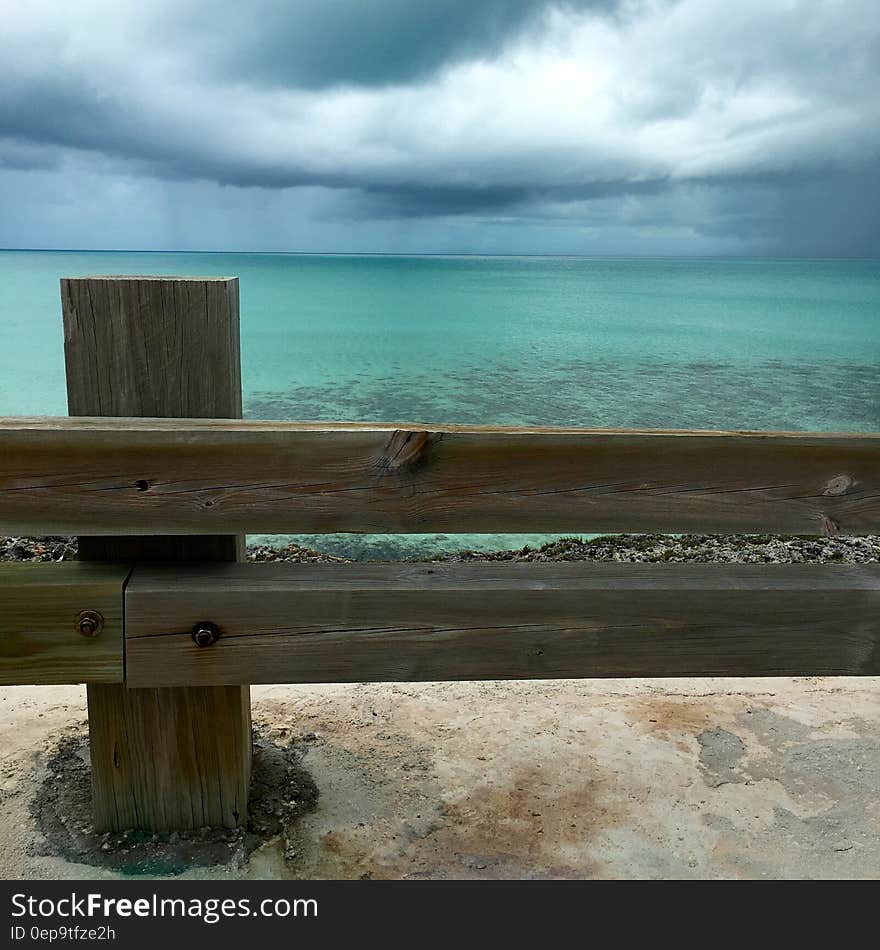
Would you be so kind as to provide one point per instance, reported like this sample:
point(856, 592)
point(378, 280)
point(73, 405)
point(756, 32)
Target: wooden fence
point(168, 628)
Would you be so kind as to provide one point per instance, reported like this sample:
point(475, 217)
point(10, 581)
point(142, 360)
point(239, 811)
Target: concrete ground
point(704, 778)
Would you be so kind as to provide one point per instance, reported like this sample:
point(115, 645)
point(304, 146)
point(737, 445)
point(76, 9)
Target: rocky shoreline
point(646, 548)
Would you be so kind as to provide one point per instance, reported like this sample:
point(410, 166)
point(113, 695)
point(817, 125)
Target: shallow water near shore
point(732, 344)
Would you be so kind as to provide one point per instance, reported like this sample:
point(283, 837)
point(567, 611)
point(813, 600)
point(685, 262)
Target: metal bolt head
point(90, 623)
point(204, 633)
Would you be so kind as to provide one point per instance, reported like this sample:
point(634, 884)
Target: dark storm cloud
point(826, 212)
point(319, 43)
point(23, 156)
point(308, 44)
point(693, 118)
point(425, 201)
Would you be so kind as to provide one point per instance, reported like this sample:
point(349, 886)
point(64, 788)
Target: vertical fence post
point(171, 758)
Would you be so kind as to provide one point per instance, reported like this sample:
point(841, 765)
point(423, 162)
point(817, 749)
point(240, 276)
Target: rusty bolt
point(90, 623)
point(205, 633)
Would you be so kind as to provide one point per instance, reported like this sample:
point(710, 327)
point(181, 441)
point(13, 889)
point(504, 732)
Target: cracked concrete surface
point(567, 779)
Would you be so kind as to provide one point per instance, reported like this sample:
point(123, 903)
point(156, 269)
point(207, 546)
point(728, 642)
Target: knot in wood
point(839, 485)
point(830, 528)
point(405, 450)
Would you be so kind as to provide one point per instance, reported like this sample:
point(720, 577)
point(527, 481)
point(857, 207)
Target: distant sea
point(728, 344)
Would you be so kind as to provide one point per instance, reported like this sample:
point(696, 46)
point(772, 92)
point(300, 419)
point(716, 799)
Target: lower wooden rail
point(410, 622)
point(226, 624)
point(61, 623)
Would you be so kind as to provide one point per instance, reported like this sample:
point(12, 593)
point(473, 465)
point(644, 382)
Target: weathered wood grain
point(173, 758)
point(177, 756)
point(152, 346)
point(201, 476)
point(410, 622)
point(40, 638)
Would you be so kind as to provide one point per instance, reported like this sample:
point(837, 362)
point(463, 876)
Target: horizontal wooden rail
point(61, 623)
point(411, 622)
point(308, 623)
point(161, 476)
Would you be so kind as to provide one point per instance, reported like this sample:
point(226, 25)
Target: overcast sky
point(475, 126)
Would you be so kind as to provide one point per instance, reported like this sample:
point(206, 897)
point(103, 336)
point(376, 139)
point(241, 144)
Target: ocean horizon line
point(444, 254)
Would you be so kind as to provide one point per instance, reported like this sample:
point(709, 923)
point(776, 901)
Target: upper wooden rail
point(106, 476)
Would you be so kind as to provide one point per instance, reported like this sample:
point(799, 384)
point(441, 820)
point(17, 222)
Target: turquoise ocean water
point(550, 341)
